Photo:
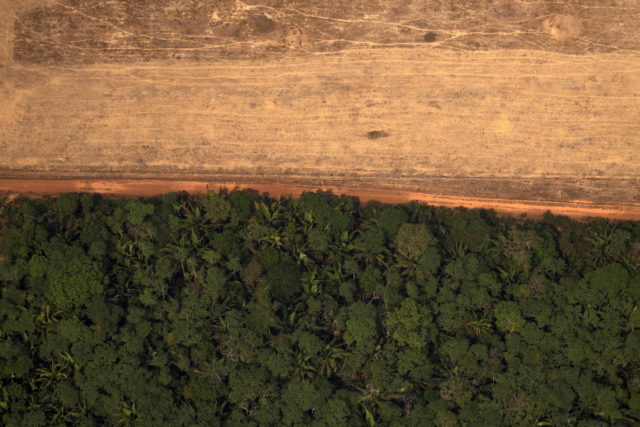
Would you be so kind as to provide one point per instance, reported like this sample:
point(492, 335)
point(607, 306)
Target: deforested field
point(509, 102)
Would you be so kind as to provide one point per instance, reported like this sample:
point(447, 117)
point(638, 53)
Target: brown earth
point(13, 188)
point(527, 104)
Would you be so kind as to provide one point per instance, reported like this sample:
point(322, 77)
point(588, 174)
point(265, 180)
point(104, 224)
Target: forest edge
point(577, 209)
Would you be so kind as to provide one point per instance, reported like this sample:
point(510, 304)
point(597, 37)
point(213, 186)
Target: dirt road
point(527, 101)
point(147, 188)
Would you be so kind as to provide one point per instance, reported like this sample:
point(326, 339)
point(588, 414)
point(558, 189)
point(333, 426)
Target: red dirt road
point(148, 188)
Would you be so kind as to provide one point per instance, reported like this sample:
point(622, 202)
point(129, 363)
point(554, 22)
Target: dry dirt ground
point(487, 102)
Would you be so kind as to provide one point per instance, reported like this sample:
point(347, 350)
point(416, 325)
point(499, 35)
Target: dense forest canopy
point(238, 309)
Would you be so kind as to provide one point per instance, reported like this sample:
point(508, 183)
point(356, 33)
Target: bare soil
point(524, 103)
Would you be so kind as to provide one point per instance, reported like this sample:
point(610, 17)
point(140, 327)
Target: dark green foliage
point(218, 209)
point(359, 324)
point(73, 282)
point(390, 221)
point(284, 280)
point(137, 211)
point(413, 240)
point(237, 309)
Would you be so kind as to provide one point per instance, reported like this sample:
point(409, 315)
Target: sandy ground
point(519, 102)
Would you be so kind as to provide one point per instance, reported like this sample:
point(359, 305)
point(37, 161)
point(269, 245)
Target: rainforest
point(235, 308)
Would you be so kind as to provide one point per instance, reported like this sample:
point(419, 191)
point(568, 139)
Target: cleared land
point(502, 102)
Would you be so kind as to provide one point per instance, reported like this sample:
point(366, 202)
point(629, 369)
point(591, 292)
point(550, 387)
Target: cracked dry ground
point(476, 101)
